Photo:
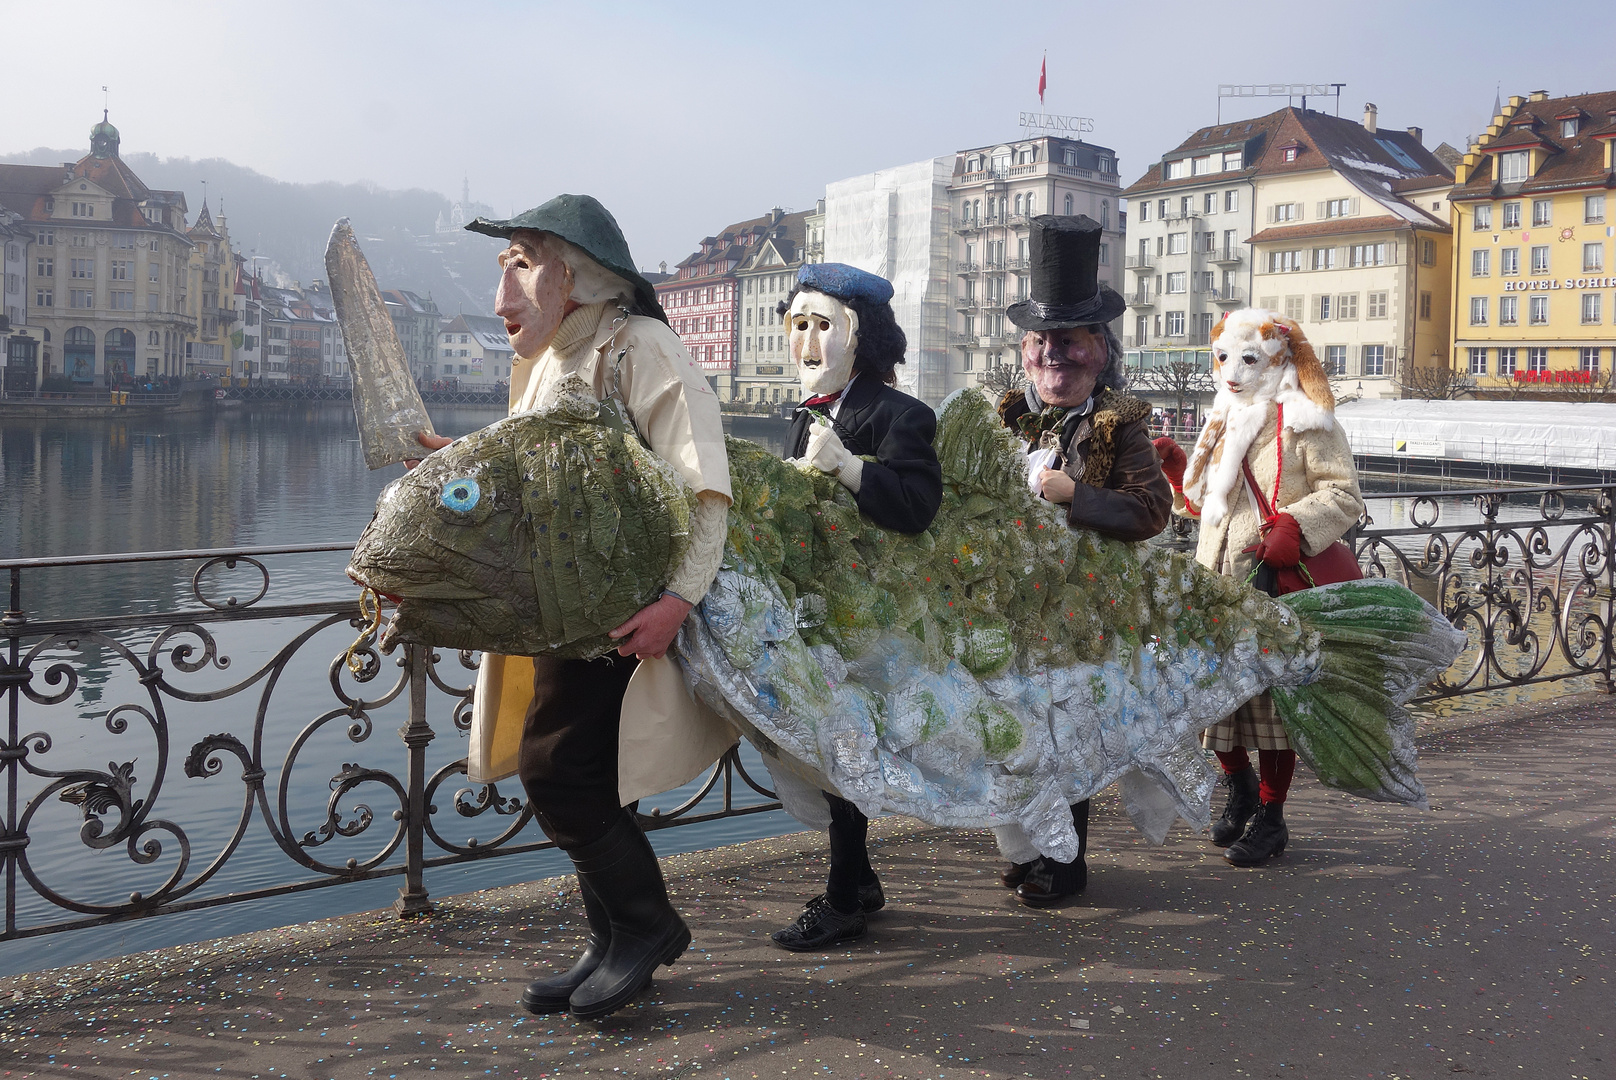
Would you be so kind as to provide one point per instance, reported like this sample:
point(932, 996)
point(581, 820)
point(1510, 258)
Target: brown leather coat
point(1120, 492)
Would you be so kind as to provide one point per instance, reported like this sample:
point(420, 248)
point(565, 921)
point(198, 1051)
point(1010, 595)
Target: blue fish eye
point(461, 495)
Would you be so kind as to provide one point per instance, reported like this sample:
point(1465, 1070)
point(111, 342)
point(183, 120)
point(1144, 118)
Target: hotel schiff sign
point(1544, 284)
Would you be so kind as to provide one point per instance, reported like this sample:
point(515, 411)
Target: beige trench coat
point(667, 737)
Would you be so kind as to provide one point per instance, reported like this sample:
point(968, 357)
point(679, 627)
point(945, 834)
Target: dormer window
point(1176, 169)
point(1513, 167)
point(1289, 153)
point(1568, 128)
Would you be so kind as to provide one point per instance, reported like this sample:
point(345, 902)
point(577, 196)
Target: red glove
point(1173, 461)
point(1281, 544)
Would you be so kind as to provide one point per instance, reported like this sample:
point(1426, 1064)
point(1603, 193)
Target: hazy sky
point(685, 117)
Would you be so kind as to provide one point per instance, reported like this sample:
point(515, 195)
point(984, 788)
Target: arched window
point(1068, 206)
point(78, 354)
point(1031, 202)
point(1105, 213)
point(1018, 204)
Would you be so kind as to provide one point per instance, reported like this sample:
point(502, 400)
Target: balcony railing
point(968, 267)
point(1140, 262)
point(1232, 294)
point(1141, 298)
point(1226, 255)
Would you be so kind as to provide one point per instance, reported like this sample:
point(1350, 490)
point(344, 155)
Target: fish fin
point(1379, 644)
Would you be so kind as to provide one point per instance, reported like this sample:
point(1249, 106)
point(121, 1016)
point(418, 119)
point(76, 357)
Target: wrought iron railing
point(1532, 590)
point(132, 692)
point(1532, 586)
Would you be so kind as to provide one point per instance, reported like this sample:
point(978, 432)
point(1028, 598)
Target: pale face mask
point(824, 335)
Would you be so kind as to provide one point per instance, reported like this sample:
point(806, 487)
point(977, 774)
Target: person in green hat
point(574, 305)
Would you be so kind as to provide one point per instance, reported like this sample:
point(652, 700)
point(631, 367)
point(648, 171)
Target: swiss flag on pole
point(1043, 78)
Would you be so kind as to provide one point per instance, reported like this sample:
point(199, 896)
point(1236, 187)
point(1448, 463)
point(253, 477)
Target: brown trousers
point(568, 757)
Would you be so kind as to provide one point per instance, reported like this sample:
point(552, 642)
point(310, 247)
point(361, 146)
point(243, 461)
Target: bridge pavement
point(1473, 940)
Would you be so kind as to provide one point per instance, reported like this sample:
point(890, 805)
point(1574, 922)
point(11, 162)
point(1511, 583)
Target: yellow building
point(210, 297)
point(1535, 289)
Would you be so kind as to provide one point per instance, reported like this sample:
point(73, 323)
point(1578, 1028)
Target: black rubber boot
point(1241, 805)
point(622, 871)
point(553, 995)
point(1264, 838)
point(1048, 882)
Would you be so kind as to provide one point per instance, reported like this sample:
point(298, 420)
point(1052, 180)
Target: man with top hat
point(1089, 449)
point(846, 343)
point(574, 305)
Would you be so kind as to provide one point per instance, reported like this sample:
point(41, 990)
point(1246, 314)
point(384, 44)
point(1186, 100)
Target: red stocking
point(1233, 760)
point(1275, 767)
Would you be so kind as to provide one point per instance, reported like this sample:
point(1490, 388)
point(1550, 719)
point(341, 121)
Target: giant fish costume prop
point(990, 671)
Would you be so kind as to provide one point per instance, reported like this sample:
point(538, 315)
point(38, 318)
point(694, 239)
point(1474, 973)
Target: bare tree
point(1432, 382)
point(1180, 381)
point(1001, 378)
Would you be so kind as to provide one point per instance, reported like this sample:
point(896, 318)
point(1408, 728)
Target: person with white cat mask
point(1272, 482)
point(846, 343)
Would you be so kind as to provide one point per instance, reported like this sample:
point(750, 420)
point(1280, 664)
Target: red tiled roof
point(1577, 161)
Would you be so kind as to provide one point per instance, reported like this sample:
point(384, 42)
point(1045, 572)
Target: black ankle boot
point(1049, 882)
point(1241, 805)
point(553, 994)
point(1264, 838)
point(621, 870)
point(1014, 874)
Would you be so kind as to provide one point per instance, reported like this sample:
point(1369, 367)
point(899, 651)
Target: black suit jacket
point(903, 487)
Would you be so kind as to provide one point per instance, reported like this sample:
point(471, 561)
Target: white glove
point(826, 453)
point(1037, 462)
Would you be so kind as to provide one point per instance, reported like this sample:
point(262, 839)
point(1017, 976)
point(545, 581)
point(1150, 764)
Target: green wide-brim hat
point(580, 220)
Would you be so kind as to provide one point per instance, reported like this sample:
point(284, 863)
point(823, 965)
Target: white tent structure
point(1545, 434)
point(895, 223)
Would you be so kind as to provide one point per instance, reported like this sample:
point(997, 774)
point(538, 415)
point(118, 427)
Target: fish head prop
point(1257, 354)
point(534, 536)
point(824, 338)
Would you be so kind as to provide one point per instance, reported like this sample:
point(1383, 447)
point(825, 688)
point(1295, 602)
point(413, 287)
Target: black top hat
point(1066, 291)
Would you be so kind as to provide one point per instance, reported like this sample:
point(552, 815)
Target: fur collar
point(1231, 429)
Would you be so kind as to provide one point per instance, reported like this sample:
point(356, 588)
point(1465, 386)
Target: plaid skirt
point(1254, 725)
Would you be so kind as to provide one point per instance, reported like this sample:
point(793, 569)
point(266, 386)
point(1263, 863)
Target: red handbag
point(1335, 563)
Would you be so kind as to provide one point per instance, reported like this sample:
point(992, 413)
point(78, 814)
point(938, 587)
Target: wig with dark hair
point(881, 341)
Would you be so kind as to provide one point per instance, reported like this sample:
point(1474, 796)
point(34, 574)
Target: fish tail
point(1379, 644)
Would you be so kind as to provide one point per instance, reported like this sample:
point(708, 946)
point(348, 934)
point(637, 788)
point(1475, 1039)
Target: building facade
point(475, 352)
point(894, 222)
point(1338, 225)
point(106, 282)
point(765, 372)
point(210, 296)
point(417, 320)
point(1534, 215)
point(702, 299)
point(994, 193)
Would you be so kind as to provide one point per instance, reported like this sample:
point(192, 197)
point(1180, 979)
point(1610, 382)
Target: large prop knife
point(386, 403)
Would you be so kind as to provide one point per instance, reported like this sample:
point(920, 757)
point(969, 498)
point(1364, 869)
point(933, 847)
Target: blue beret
point(845, 282)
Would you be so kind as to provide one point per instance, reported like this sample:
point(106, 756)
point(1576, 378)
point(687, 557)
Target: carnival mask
point(824, 336)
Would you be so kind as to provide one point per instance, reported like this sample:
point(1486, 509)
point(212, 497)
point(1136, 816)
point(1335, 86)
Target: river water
point(241, 478)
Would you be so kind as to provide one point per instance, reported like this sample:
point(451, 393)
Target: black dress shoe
point(1014, 874)
point(1264, 838)
point(1049, 883)
point(820, 925)
point(1238, 810)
